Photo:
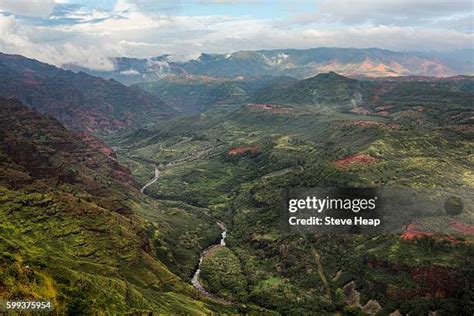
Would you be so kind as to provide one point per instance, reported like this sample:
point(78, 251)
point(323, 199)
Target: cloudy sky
point(89, 31)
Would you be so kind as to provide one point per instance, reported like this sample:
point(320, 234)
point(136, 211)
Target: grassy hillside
point(195, 94)
point(326, 88)
point(75, 229)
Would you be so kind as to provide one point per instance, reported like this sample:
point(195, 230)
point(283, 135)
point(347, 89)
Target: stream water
point(153, 180)
point(195, 280)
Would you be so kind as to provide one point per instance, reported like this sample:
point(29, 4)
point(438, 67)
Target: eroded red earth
point(96, 143)
point(354, 159)
point(461, 227)
point(413, 231)
point(243, 149)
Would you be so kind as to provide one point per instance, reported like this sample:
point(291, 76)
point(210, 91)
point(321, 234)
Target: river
point(153, 180)
point(195, 280)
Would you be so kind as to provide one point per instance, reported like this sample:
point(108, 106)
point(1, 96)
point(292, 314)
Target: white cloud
point(53, 46)
point(83, 15)
point(124, 5)
point(228, 1)
point(391, 12)
point(128, 31)
point(130, 72)
point(29, 7)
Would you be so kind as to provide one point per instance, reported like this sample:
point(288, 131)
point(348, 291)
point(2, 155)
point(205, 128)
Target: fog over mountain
point(371, 62)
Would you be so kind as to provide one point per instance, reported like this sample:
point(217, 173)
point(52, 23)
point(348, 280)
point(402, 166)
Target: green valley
point(237, 157)
point(76, 231)
point(130, 220)
point(235, 161)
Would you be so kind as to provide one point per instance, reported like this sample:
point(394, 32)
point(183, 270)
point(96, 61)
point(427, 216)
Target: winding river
point(153, 180)
point(195, 280)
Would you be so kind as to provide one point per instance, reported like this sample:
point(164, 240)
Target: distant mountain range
point(297, 63)
point(103, 105)
point(78, 100)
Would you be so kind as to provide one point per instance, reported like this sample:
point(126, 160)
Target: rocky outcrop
point(352, 298)
point(432, 281)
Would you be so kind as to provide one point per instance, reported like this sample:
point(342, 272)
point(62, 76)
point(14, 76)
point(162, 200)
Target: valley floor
point(233, 164)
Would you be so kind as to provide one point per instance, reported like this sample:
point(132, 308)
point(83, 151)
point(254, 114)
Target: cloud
point(52, 45)
point(41, 8)
point(170, 6)
point(124, 5)
point(130, 72)
point(463, 23)
point(89, 36)
point(390, 12)
point(229, 1)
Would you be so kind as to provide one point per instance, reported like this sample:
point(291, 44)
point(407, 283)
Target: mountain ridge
point(79, 100)
point(298, 63)
point(324, 88)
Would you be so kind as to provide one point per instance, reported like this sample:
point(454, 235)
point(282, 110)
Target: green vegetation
point(321, 89)
point(235, 162)
point(222, 275)
point(75, 229)
point(183, 232)
point(83, 258)
point(196, 94)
